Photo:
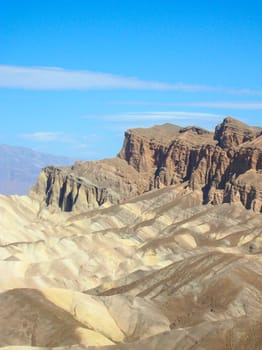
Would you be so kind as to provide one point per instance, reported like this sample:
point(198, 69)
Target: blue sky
point(74, 75)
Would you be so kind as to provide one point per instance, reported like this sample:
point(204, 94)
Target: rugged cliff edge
point(225, 165)
point(87, 185)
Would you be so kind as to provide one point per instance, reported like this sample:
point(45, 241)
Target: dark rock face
point(226, 166)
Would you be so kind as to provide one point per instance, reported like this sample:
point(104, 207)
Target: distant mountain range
point(20, 167)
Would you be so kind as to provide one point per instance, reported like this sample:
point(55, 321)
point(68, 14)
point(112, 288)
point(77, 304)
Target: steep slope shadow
point(29, 319)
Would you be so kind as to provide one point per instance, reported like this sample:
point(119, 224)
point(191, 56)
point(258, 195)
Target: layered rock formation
point(232, 133)
point(214, 163)
point(87, 185)
point(122, 254)
point(226, 166)
point(158, 271)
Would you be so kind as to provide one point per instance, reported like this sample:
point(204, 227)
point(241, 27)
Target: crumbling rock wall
point(226, 166)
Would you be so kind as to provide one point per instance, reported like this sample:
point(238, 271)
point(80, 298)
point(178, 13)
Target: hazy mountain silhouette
point(20, 166)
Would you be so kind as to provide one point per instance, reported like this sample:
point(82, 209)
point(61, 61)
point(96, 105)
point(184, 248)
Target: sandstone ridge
point(225, 165)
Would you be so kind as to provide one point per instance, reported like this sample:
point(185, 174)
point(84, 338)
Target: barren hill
point(154, 249)
point(159, 270)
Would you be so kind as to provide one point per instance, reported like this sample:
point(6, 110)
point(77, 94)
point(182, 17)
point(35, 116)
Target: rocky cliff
point(226, 166)
point(87, 185)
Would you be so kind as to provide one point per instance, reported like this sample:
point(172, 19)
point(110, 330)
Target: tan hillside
point(158, 248)
point(158, 269)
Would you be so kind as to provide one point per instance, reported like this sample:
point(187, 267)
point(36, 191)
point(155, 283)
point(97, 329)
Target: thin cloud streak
point(52, 78)
point(43, 136)
point(75, 140)
point(55, 78)
point(228, 105)
point(220, 105)
point(83, 145)
point(156, 116)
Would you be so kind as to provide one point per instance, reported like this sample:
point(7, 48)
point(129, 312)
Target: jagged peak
point(234, 122)
point(232, 133)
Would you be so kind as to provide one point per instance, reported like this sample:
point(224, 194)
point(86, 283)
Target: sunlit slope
point(158, 270)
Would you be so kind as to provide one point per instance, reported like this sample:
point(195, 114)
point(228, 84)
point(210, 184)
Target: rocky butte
point(157, 248)
point(225, 165)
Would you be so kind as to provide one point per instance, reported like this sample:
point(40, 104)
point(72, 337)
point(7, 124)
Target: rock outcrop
point(226, 166)
point(87, 185)
point(232, 133)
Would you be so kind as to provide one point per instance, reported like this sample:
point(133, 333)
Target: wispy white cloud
point(218, 104)
point(52, 78)
point(55, 78)
point(156, 116)
point(227, 105)
point(84, 146)
point(43, 136)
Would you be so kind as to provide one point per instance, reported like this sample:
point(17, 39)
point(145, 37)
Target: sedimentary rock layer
point(159, 270)
point(226, 166)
